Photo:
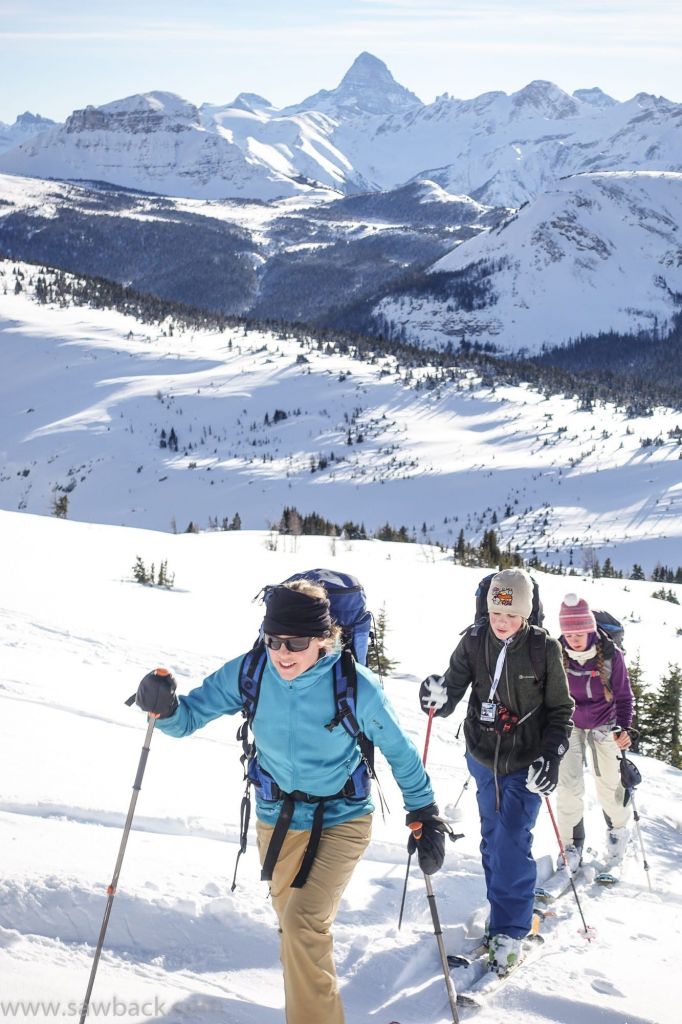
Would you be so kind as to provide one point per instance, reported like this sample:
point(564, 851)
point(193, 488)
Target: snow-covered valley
point(262, 421)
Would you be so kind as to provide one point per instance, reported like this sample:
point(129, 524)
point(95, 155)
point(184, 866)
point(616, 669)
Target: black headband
point(291, 613)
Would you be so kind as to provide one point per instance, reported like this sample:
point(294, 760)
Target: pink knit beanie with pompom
point(575, 616)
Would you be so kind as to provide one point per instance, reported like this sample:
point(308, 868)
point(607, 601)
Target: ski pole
point(570, 873)
point(438, 931)
point(409, 856)
point(630, 794)
point(461, 794)
point(111, 890)
point(641, 841)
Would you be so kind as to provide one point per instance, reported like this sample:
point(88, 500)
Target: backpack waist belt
point(357, 787)
point(282, 827)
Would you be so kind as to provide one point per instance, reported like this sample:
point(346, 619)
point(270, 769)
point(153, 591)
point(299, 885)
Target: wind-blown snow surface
point(85, 395)
point(598, 252)
point(77, 634)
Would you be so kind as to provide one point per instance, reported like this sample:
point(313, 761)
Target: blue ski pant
point(506, 841)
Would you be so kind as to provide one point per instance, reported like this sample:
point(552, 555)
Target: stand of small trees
point(150, 577)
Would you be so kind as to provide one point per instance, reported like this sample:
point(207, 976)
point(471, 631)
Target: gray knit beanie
point(511, 591)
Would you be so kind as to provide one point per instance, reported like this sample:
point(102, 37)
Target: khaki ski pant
point(306, 915)
point(602, 757)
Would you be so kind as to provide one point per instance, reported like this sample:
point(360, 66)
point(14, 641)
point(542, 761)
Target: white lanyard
point(499, 665)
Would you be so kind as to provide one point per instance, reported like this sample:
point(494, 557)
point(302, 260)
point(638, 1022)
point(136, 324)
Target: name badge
point(488, 712)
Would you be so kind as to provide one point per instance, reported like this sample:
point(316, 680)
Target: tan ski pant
point(306, 915)
point(602, 757)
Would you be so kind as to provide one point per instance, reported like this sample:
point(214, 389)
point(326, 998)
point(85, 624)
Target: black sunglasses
point(294, 644)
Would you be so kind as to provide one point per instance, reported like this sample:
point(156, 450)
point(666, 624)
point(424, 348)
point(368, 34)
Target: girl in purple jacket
point(599, 684)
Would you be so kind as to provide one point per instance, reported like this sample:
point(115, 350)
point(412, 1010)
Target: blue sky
point(57, 55)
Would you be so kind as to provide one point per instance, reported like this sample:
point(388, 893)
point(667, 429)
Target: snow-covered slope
point(292, 259)
point(88, 396)
point(597, 252)
point(77, 634)
point(368, 132)
point(156, 142)
point(506, 149)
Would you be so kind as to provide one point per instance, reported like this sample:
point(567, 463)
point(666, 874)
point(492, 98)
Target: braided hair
point(604, 674)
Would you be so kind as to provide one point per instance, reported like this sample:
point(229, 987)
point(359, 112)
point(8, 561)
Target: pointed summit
point(543, 99)
point(367, 69)
point(368, 87)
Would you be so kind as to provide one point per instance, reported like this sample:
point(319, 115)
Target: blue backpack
point(348, 609)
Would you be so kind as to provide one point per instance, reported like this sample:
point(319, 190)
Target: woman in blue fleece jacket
point(311, 773)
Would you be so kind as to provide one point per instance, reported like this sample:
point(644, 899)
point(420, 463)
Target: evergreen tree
point(139, 571)
point(641, 697)
point(637, 573)
point(489, 551)
point(60, 506)
point(669, 711)
point(377, 658)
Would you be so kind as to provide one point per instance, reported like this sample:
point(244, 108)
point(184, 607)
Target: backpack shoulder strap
point(250, 677)
point(474, 638)
point(345, 695)
point(537, 645)
point(345, 698)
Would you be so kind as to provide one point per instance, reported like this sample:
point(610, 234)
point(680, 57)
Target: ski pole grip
point(416, 828)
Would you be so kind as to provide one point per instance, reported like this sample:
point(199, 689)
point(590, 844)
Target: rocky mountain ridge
point(369, 133)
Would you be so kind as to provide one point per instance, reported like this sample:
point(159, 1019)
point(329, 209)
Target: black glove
point(430, 842)
point(156, 694)
point(630, 778)
point(543, 774)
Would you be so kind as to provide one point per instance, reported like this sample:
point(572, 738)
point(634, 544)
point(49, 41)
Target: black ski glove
point(156, 694)
point(543, 774)
point(429, 842)
point(630, 778)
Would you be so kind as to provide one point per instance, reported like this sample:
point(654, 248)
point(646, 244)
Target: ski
point(557, 885)
point(466, 960)
point(476, 995)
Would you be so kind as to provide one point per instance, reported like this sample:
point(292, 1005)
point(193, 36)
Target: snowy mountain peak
point(545, 99)
point(368, 87)
point(648, 101)
point(368, 70)
point(143, 112)
point(168, 104)
point(251, 101)
point(596, 97)
point(33, 122)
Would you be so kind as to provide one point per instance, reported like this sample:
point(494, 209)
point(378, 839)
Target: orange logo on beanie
point(503, 596)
